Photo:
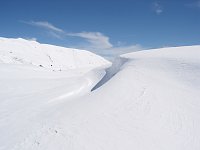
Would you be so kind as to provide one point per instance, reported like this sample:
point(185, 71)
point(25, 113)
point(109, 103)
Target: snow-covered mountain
point(30, 67)
point(21, 51)
point(149, 100)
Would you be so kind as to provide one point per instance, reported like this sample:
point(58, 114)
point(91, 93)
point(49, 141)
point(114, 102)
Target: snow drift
point(151, 103)
point(23, 61)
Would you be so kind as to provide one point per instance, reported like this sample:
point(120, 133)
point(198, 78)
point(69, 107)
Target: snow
point(21, 51)
point(149, 101)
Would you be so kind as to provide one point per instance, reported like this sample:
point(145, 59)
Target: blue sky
point(103, 25)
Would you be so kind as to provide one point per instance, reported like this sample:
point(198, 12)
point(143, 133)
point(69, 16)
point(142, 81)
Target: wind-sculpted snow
point(111, 71)
point(28, 67)
point(34, 75)
point(151, 103)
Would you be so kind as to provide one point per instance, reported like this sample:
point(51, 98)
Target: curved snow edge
point(111, 71)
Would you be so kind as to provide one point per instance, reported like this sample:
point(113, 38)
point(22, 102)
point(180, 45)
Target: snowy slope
point(151, 103)
point(28, 65)
point(21, 51)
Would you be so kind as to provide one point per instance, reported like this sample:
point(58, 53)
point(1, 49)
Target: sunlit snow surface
point(151, 103)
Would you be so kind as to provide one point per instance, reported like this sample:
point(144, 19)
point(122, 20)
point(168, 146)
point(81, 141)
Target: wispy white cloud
point(96, 39)
point(194, 4)
point(48, 27)
point(56, 34)
point(198, 4)
point(31, 39)
point(44, 24)
point(157, 8)
point(115, 51)
point(100, 43)
point(127, 49)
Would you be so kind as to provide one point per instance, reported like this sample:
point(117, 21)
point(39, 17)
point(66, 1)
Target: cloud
point(96, 39)
point(44, 24)
point(198, 4)
point(31, 39)
point(56, 35)
point(194, 4)
point(127, 49)
point(157, 8)
point(100, 44)
point(50, 28)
